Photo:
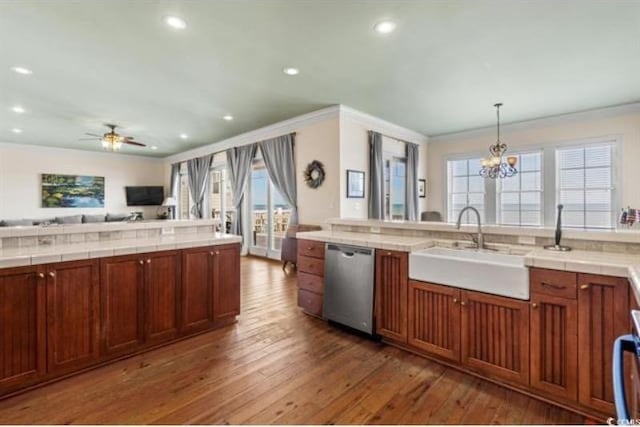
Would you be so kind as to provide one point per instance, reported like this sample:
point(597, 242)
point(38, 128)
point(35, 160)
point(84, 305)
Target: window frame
point(549, 179)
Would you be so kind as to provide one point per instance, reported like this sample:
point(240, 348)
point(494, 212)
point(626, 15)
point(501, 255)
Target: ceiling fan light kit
point(112, 141)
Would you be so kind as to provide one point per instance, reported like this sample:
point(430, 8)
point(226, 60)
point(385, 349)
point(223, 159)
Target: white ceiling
point(441, 71)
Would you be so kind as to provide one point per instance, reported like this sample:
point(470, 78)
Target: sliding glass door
point(395, 187)
point(269, 214)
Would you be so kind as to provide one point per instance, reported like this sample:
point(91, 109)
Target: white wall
point(621, 122)
point(22, 165)
point(354, 154)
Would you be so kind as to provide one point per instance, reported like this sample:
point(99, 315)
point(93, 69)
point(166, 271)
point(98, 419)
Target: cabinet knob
point(455, 300)
point(141, 262)
point(217, 252)
point(584, 287)
point(462, 303)
point(149, 261)
point(52, 274)
point(388, 253)
point(41, 275)
point(534, 305)
point(211, 253)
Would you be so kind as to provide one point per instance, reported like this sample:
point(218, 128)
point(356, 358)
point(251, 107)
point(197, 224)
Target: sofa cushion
point(71, 219)
point(16, 222)
point(93, 218)
point(117, 217)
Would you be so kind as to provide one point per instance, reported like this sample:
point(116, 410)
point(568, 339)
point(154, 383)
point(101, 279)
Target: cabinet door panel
point(72, 312)
point(392, 271)
point(434, 319)
point(197, 283)
point(22, 326)
point(226, 282)
point(162, 276)
point(603, 315)
point(554, 341)
point(122, 299)
point(495, 336)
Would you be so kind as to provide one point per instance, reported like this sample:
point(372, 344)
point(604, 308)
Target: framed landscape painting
point(72, 191)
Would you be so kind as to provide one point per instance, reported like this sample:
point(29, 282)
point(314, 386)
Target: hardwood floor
point(276, 366)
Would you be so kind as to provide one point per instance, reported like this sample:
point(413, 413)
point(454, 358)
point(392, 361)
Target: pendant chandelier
point(494, 167)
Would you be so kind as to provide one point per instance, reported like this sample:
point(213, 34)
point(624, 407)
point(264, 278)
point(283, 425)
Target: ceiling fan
point(112, 140)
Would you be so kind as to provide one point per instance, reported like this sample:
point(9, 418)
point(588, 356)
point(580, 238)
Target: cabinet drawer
point(310, 302)
point(553, 282)
point(310, 248)
point(311, 265)
point(310, 282)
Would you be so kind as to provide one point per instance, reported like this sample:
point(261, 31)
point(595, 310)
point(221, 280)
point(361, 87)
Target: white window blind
point(519, 198)
point(585, 186)
point(465, 187)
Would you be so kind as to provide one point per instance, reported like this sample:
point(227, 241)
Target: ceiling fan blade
point(89, 139)
point(128, 141)
point(93, 134)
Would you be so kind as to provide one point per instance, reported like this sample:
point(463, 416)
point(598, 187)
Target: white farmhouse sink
point(483, 271)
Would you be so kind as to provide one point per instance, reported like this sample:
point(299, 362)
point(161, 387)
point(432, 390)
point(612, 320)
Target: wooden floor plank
point(276, 365)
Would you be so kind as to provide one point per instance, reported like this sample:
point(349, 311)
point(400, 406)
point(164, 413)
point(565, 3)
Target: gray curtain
point(411, 205)
point(198, 170)
point(376, 176)
point(280, 164)
point(173, 190)
point(239, 162)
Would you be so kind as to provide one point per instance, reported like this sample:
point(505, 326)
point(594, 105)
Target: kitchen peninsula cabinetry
point(392, 281)
point(63, 317)
point(310, 276)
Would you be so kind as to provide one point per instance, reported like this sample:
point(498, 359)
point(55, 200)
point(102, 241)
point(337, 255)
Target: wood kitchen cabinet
point(311, 276)
point(603, 315)
point(434, 319)
point(495, 336)
point(226, 282)
point(162, 283)
point(392, 281)
point(122, 303)
point(22, 326)
point(73, 322)
point(554, 333)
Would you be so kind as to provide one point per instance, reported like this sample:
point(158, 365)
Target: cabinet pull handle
point(141, 262)
point(584, 287)
point(52, 274)
point(554, 286)
point(534, 305)
point(41, 275)
point(149, 261)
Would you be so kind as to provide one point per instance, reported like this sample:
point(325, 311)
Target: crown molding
point(66, 150)
point(260, 134)
point(598, 113)
point(379, 125)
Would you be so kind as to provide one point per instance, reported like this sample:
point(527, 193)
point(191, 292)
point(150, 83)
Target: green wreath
point(314, 174)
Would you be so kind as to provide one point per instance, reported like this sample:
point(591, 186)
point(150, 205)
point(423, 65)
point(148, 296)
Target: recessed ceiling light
point(291, 71)
point(228, 117)
point(175, 22)
point(22, 70)
point(184, 136)
point(153, 147)
point(16, 130)
point(18, 109)
point(385, 27)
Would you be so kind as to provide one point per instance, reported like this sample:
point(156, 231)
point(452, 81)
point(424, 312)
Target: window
point(184, 198)
point(221, 197)
point(585, 186)
point(465, 187)
point(519, 198)
point(395, 172)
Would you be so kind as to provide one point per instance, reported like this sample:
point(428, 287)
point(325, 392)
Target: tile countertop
point(606, 263)
point(17, 257)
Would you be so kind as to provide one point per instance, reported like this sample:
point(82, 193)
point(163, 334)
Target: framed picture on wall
point(355, 184)
point(422, 188)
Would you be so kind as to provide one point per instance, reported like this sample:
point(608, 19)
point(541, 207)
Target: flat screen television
point(145, 196)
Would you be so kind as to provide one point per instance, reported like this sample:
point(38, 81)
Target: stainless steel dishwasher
point(348, 286)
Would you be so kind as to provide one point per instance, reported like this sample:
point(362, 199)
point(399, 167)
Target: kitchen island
point(71, 306)
point(554, 344)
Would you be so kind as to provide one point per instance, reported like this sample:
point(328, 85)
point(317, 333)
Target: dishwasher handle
point(349, 251)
